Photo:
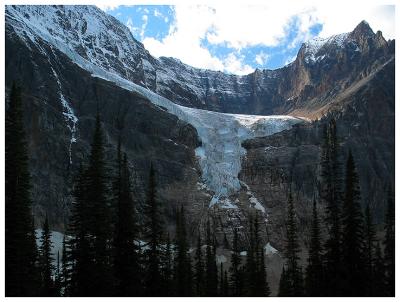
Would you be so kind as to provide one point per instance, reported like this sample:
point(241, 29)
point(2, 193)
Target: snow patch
point(313, 46)
point(256, 204)
point(269, 249)
point(56, 239)
point(221, 259)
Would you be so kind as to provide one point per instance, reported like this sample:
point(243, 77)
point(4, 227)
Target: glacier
point(221, 134)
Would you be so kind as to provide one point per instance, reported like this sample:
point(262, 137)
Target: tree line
point(108, 251)
point(350, 261)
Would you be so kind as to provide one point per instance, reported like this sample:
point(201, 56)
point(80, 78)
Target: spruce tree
point(264, 290)
point(251, 262)
point(353, 235)
point(153, 236)
point(57, 277)
point(236, 275)
point(331, 195)
point(260, 287)
point(20, 247)
point(221, 280)
point(314, 271)
point(77, 261)
point(99, 225)
point(370, 240)
point(199, 269)
point(126, 254)
point(182, 260)
point(46, 261)
point(389, 242)
point(284, 285)
point(293, 271)
point(167, 269)
point(226, 285)
point(211, 271)
point(379, 286)
point(65, 270)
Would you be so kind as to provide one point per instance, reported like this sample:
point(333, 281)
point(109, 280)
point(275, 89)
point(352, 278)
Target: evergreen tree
point(251, 262)
point(314, 271)
point(389, 242)
point(77, 261)
point(167, 269)
point(211, 286)
point(353, 245)
point(293, 273)
point(331, 195)
point(263, 288)
point(153, 235)
point(379, 286)
point(46, 261)
point(236, 275)
point(90, 227)
point(226, 285)
point(182, 260)
point(99, 226)
point(221, 280)
point(57, 277)
point(370, 240)
point(284, 286)
point(20, 247)
point(199, 269)
point(126, 254)
point(65, 270)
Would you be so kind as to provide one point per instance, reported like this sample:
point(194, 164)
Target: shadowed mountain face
point(55, 51)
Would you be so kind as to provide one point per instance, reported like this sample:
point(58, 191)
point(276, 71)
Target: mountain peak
point(362, 29)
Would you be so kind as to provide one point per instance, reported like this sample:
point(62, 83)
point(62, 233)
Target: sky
point(239, 39)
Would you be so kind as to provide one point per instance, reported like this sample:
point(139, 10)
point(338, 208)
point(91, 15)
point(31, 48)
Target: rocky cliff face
point(55, 51)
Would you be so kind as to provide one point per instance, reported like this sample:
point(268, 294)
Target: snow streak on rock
point(68, 114)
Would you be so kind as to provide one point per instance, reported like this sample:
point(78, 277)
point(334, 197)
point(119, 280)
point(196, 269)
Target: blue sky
point(239, 39)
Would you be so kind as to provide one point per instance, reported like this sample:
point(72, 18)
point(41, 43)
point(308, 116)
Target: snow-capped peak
point(87, 30)
point(313, 48)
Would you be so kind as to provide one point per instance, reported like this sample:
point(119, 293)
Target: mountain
point(223, 145)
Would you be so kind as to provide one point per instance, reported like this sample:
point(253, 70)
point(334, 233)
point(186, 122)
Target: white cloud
point(233, 63)
point(107, 7)
point(290, 59)
point(145, 19)
point(157, 13)
point(130, 25)
point(261, 58)
point(335, 19)
point(245, 26)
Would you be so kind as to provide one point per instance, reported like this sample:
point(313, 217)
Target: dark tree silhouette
point(353, 234)
point(46, 261)
point(314, 272)
point(153, 236)
point(389, 242)
point(331, 195)
point(293, 279)
point(127, 270)
point(21, 270)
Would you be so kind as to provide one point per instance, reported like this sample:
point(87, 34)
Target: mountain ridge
point(261, 92)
